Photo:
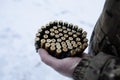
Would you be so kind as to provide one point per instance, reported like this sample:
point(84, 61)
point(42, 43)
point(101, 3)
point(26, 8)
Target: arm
point(105, 38)
point(106, 34)
point(100, 67)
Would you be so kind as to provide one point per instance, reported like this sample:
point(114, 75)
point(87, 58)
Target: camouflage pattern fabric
point(104, 47)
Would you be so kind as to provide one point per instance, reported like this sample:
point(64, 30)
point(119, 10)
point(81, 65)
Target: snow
point(20, 20)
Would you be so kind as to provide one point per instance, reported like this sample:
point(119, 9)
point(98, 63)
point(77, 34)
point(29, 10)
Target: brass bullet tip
point(37, 34)
point(37, 39)
point(52, 48)
point(61, 39)
point(45, 36)
point(58, 52)
point(47, 45)
point(47, 32)
point(52, 34)
point(80, 30)
point(65, 49)
point(54, 27)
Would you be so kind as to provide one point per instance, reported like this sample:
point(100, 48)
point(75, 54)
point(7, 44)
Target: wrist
point(80, 69)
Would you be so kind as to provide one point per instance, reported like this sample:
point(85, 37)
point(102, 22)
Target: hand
point(64, 66)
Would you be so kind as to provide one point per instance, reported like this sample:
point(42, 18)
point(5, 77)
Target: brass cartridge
point(61, 39)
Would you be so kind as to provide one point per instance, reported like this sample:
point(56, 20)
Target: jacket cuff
point(89, 67)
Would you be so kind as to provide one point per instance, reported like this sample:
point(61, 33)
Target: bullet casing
point(61, 39)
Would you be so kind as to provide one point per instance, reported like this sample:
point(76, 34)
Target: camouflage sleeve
point(100, 67)
point(104, 46)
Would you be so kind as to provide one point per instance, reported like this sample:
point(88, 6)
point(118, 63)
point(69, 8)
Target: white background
point(20, 20)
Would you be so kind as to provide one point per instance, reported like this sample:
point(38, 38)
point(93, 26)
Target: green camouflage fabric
point(104, 47)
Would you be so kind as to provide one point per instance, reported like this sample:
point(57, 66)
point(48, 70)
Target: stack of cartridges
point(61, 39)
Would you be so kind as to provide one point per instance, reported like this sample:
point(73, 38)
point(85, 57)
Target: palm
point(64, 66)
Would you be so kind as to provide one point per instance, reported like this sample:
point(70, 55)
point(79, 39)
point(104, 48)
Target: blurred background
point(19, 22)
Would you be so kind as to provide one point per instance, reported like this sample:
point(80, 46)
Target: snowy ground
point(19, 21)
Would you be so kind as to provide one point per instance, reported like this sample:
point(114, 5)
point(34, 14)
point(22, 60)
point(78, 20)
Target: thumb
point(48, 59)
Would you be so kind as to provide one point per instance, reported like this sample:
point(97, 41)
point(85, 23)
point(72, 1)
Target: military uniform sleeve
point(104, 46)
point(100, 67)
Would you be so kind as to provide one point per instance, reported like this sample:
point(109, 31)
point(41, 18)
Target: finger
point(48, 59)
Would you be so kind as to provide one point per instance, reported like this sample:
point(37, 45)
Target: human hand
point(64, 66)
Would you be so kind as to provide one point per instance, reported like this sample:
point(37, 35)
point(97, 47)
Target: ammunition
point(83, 36)
point(85, 45)
point(47, 32)
point(63, 42)
point(63, 38)
point(66, 24)
point(57, 44)
point(45, 36)
point(59, 40)
point(52, 34)
point(78, 33)
point(73, 31)
point(73, 42)
point(75, 45)
point(81, 47)
point(43, 27)
point(65, 35)
point(68, 29)
point(80, 30)
point(70, 33)
point(74, 35)
point(61, 23)
point(64, 28)
point(69, 44)
point(60, 34)
point(55, 22)
point(84, 33)
point(47, 26)
point(65, 49)
point(51, 23)
point(58, 47)
point(37, 34)
point(65, 31)
point(42, 42)
point(67, 41)
point(71, 25)
point(54, 27)
point(64, 45)
point(57, 36)
point(70, 47)
point(52, 49)
point(40, 30)
point(49, 40)
point(77, 39)
point(78, 50)
point(53, 40)
point(85, 40)
point(51, 30)
point(72, 52)
point(37, 39)
point(52, 44)
point(75, 27)
point(56, 32)
point(70, 38)
point(59, 26)
point(79, 43)
point(58, 52)
point(60, 30)
point(47, 45)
